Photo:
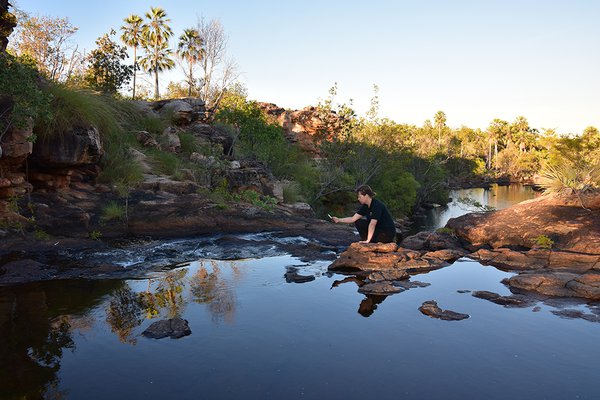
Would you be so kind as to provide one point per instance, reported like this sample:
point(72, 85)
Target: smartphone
point(330, 217)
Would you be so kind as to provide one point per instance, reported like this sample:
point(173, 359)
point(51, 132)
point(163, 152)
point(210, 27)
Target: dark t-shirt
point(378, 211)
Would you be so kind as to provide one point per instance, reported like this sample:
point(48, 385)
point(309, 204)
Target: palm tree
point(440, 122)
point(156, 37)
point(190, 48)
point(132, 37)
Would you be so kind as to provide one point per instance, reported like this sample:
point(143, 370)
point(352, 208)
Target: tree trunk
point(156, 94)
point(134, 70)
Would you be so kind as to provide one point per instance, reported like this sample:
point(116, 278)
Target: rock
point(81, 145)
point(214, 135)
point(563, 219)
point(379, 288)
point(394, 275)
point(292, 276)
point(431, 241)
point(172, 139)
point(174, 328)
point(508, 301)
point(179, 110)
point(430, 308)
point(563, 284)
point(146, 139)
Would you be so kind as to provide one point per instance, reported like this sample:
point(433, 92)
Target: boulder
point(78, 146)
point(174, 328)
point(180, 111)
point(571, 222)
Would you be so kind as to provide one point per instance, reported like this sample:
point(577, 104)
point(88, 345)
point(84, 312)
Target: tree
point(440, 123)
point(191, 49)
point(156, 36)
point(47, 41)
point(105, 72)
point(218, 72)
point(132, 37)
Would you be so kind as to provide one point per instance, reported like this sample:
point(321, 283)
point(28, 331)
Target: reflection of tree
point(124, 313)
point(168, 295)
point(35, 330)
point(212, 289)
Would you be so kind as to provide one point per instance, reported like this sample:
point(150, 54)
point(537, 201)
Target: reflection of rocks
point(174, 328)
point(514, 300)
point(431, 309)
point(576, 314)
point(292, 276)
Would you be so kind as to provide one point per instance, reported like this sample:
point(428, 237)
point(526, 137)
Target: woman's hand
point(335, 220)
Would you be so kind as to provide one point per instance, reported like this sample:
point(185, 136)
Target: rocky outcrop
point(553, 242)
point(306, 127)
point(384, 264)
point(571, 222)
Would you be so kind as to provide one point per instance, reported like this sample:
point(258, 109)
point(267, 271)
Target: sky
point(475, 60)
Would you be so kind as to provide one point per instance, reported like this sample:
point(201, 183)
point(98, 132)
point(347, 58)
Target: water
point(255, 336)
point(497, 197)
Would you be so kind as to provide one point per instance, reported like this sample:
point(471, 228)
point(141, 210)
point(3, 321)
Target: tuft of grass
point(189, 143)
point(113, 211)
point(165, 163)
point(291, 192)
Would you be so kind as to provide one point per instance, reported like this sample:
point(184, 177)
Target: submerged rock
point(514, 300)
point(174, 328)
point(430, 308)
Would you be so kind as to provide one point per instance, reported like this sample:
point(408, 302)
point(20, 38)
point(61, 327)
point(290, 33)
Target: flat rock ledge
point(431, 309)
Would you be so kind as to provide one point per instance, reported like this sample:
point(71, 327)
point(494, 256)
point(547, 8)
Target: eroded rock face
point(306, 127)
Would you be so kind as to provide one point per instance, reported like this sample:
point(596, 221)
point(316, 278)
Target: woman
point(372, 220)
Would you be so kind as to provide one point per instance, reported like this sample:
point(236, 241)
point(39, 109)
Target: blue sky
point(475, 60)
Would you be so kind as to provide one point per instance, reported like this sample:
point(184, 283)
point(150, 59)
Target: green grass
point(113, 211)
point(567, 178)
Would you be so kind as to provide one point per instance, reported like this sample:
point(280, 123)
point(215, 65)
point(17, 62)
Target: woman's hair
point(365, 189)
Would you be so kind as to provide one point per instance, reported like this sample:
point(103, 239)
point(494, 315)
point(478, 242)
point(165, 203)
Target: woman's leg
point(362, 226)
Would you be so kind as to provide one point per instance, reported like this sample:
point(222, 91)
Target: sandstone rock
point(180, 111)
point(174, 328)
point(563, 284)
point(162, 184)
point(379, 288)
point(214, 135)
point(79, 146)
point(172, 139)
point(430, 308)
point(563, 219)
point(392, 275)
point(146, 139)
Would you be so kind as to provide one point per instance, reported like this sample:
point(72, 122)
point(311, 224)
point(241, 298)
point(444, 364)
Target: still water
point(256, 336)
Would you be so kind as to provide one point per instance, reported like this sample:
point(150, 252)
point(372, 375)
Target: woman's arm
point(347, 220)
point(370, 231)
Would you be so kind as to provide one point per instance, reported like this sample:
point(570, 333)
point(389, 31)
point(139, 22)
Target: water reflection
point(369, 303)
point(37, 322)
point(210, 287)
point(497, 197)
